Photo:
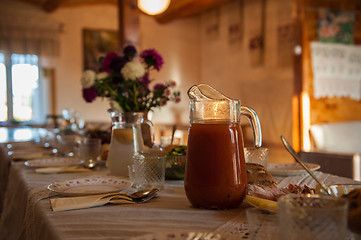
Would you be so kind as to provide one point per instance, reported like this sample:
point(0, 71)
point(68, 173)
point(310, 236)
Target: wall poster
point(336, 26)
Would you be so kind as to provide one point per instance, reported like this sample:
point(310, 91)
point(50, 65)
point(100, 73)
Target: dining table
point(26, 212)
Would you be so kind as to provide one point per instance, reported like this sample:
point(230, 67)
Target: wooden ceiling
point(177, 8)
point(52, 5)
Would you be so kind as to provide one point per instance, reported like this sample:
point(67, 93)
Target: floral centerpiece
point(125, 81)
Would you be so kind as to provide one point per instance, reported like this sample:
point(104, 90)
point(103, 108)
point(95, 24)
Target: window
point(3, 90)
point(20, 89)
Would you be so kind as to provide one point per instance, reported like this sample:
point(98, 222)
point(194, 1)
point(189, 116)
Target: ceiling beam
point(76, 3)
point(177, 8)
point(52, 5)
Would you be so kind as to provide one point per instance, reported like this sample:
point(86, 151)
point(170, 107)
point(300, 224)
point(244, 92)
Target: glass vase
point(127, 139)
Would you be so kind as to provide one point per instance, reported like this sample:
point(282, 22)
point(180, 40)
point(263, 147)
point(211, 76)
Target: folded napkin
point(32, 148)
point(68, 169)
point(72, 203)
point(28, 156)
point(19, 145)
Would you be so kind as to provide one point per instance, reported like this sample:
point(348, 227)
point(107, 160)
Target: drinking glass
point(90, 150)
point(256, 155)
point(312, 217)
point(149, 170)
point(67, 145)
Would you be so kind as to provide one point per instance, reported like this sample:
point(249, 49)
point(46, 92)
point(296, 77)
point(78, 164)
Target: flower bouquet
point(125, 81)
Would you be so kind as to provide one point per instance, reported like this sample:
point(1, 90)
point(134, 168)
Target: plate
point(290, 169)
point(181, 236)
point(90, 185)
point(339, 190)
point(53, 162)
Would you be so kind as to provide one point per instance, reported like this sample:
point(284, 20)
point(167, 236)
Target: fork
point(145, 198)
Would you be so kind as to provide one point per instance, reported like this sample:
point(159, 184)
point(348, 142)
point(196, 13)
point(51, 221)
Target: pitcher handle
point(256, 126)
point(150, 124)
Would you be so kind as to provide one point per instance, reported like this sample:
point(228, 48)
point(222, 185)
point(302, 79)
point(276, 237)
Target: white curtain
point(25, 29)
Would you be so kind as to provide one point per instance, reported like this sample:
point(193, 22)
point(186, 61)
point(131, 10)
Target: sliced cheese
point(262, 203)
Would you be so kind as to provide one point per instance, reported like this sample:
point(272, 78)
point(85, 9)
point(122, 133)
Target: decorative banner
point(285, 41)
point(336, 70)
point(212, 19)
point(256, 32)
point(235, 16)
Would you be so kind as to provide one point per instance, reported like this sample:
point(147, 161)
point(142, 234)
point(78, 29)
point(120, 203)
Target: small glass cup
point(165, 141)
point(67, 145)
point(256, 155)
point(262, 224)
point(131, 174)
point(312, 217)
point(149, 170)
point(90, 150)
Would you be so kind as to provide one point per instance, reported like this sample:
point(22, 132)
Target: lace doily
point(236, 227)
point(35, 195)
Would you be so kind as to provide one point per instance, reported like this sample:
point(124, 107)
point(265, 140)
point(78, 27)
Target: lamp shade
point(153, 7)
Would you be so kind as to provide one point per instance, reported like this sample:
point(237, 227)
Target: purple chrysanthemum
point(89, 94)
point(130, 52)
point(107, 62)
point(159, 86)
point(118, 63)
point(152, 58)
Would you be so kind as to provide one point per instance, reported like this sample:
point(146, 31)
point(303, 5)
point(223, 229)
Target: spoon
point(292, 151)
point(93, 164)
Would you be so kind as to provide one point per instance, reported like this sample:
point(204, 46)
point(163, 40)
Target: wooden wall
point(325, 109)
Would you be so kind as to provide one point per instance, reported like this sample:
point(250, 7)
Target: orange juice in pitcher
point(216, 175)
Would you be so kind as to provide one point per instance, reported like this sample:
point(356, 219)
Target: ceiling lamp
point(153, 7)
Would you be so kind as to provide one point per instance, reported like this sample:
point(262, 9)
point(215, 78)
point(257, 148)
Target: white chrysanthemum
point(102, 75)
point(133, 70)
point(88, 78)
point(115, 106)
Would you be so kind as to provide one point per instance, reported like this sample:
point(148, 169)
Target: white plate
point(90, 185)
point(290, 169)
point(181, 236)
point(53, 162)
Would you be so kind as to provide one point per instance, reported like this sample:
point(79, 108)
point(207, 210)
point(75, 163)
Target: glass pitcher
point(127, 139)
point(216, 175)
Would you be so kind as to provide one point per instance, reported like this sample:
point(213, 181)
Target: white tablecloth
point(25, 216)
point(4, 173)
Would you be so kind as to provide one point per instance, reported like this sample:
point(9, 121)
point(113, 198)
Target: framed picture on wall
point(336, 26)
point(97, 43)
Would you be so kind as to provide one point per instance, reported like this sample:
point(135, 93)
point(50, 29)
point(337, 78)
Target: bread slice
point(257, 174)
